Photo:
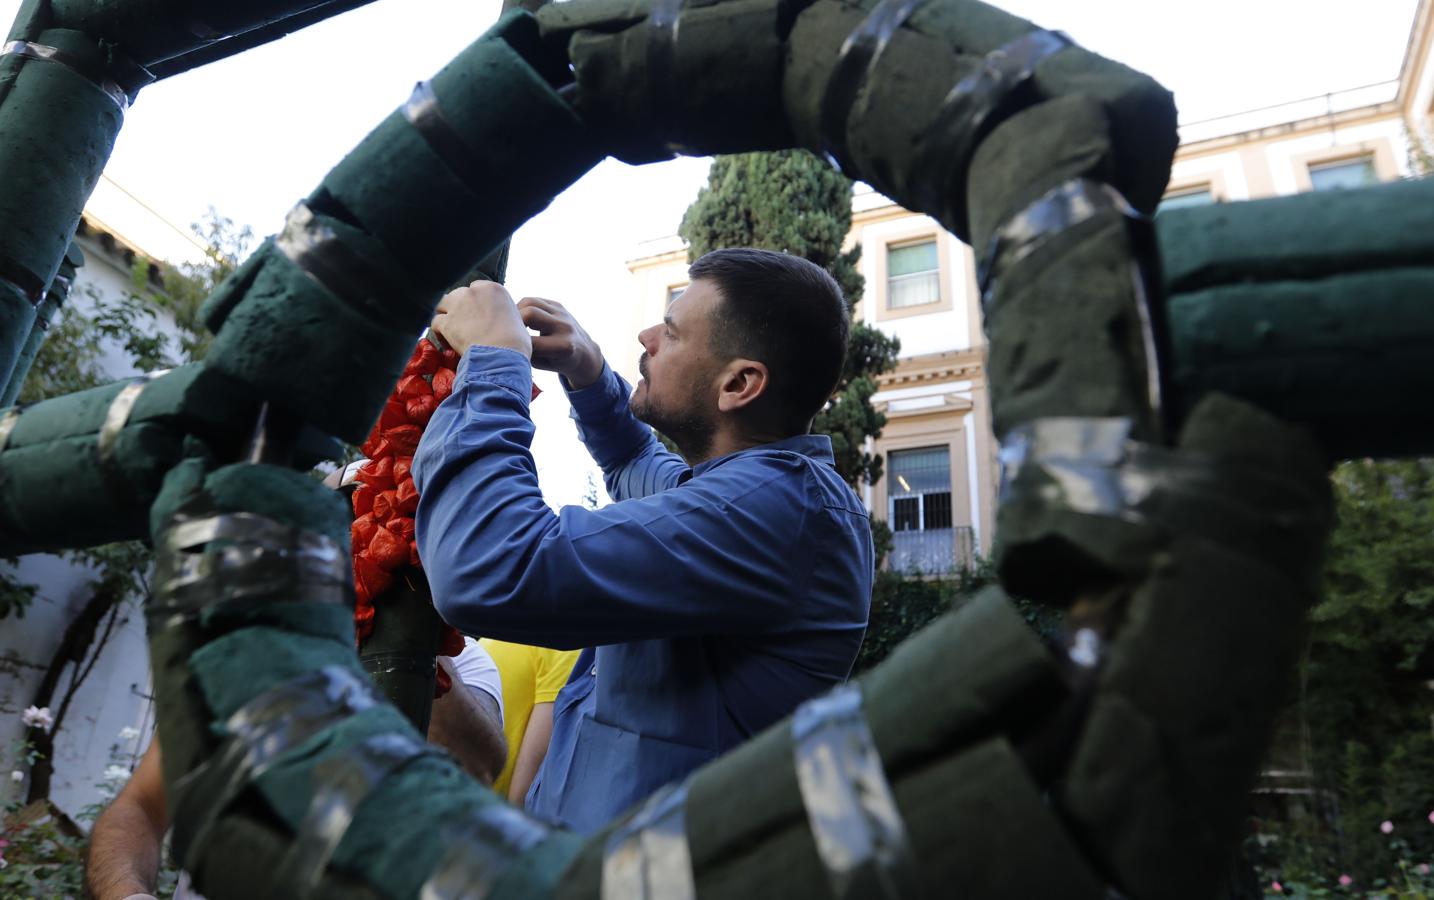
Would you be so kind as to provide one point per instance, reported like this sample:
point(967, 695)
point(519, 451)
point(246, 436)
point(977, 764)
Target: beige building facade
point(938, 493)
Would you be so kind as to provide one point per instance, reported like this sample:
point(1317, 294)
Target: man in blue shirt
point(717, 593)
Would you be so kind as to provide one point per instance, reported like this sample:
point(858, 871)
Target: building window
point(913, 274)
point(1194, 196)
point(1344, 173)
point(920, 512)
point(674, 292)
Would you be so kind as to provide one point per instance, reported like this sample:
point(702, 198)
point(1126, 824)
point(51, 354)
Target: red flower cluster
point(386, 498)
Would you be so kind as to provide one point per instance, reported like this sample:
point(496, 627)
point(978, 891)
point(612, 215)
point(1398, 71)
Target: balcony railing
point(935, 551)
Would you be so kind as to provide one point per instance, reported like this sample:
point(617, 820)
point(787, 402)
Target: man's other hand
point(482, 315)
point(562, 345)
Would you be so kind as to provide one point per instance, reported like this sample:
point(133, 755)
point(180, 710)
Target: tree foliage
point(793, 202)
point(1367, 708)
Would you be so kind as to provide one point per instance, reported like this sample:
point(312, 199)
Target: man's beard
point(687, 427)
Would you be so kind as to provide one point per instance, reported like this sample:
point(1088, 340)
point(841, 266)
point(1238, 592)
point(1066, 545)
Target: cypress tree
point(793, 202)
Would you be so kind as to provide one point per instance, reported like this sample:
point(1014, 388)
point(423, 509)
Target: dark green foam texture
point(45, 314)
point(331, 359)
point(1316, 307)
point(55, 492)
point(152, 30)
point(889, 120)
point(57, 129)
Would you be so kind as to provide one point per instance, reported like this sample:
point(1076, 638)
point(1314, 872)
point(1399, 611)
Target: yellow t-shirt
point(531, 675)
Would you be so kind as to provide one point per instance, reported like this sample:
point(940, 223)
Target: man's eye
point(667, 332)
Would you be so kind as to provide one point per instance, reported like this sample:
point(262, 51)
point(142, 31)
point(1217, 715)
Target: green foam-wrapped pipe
point(715, 53)
point(890, 120)
point(1342, 355)
point(57, 128)
point(1204, 659)
point(431, 210)
point(326, 341)
point(1282, 303)
point(149, 31)
point(45, 313)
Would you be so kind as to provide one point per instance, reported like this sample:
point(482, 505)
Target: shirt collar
point(816, 446)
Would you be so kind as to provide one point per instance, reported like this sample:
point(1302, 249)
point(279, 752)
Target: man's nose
point(647, 337)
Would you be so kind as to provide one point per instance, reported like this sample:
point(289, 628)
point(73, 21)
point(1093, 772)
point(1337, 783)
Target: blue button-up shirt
point(713, 599)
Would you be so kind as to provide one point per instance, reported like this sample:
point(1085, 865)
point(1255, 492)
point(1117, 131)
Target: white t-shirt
point(476, 669)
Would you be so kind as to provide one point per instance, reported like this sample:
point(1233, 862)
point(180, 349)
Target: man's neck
point(728, 441)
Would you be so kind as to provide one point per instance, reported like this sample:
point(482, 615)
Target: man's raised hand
point(562, 345)
point(482, 315)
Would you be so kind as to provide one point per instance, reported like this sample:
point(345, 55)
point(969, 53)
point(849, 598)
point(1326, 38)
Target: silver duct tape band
point(261, 732)
point(118, 414)
point(978, 103)
point(859, 55)
point(341, 785)
point(480, 851)
point(663, 24)
point(1060, 209)
point(322, 255)
point(1093, 467)
point(243, 558)
point(648, 858)
point(426, 116)
point(859, 833)
point(8, 421)
point(31, 50)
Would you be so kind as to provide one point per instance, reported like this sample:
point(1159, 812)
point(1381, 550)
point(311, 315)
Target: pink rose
point(1387, 827)
point(1422, 868)
point(1345, 881)
point(1431, 816)
point(1275, 886)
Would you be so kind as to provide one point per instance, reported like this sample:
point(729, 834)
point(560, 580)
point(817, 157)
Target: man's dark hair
point(785, 312)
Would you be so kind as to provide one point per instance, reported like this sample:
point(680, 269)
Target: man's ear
point(743, 381)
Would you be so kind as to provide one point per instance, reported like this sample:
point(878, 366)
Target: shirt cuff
point(502, 366)
point(602, 398)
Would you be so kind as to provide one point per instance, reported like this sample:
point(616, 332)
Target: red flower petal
point(442, 684)
point(410, 386)
point(363, 500)
point(401, 467)
point(401, 526)
point(406, 498)
point(424, 361)
point(536, 391)
point(443, 384)
point(420, 409)
point(388, 549)
point(403, 439)
point(450, 359)
point(377, 473)
point(370, 578)
point(383, 505)
point(392, 416)
point(362, 529)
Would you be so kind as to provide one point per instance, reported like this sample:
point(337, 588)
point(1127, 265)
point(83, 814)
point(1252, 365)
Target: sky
point(252, 135)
